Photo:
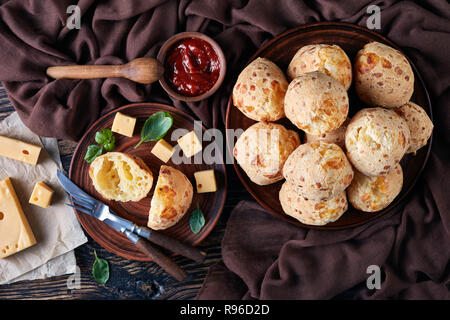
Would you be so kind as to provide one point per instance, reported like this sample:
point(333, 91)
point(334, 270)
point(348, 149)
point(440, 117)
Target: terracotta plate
point(210, 203)
point(351, 38)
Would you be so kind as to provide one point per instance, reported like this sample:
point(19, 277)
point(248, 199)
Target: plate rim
point(375, 215)
point(169, 108)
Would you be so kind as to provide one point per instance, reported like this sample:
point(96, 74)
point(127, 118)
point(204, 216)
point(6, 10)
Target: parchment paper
point(56, 228)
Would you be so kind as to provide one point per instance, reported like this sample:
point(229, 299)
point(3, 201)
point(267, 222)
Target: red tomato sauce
point(192, 67)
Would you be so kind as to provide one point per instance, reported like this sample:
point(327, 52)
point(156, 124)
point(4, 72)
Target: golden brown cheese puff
point(259, 91)
point(262, 150)
point(316, 103)
point(329, 59)
point(419, 124)
point(376, 140)
point(311, 212)
point(318, 170)
point(383, 76)
point(372, 194)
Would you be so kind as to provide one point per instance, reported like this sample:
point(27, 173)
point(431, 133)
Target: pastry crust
point(318, 170)
point(171, 199)
point(262, 150)
point(121, 177)
point(316, 103)
point(329, 59)
point(311, 212)
point(419, 124)
point(383, 76)
point(372, 194)
point(259, 91)
point(336, 136)
point(376, 140)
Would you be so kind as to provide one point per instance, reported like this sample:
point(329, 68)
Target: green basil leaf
point(93, 151)
point(197, 220)
point(109, 146)
point(100, 270)
point(155, 127)
point(104, 137)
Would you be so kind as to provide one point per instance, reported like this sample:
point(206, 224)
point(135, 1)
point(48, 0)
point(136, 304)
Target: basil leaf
point(197, 220)
point(155, 127)
point(100, 270)
point(106, 137)
point(109, 146)
point(93, 151)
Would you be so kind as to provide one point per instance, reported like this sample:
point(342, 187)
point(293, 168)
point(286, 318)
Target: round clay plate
point(351, 39)
point(211, 204)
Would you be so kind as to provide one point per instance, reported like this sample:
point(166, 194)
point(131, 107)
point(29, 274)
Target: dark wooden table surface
point(128, 279)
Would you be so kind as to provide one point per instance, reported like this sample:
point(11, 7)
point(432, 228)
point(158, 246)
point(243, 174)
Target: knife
point(51, 146)
point(103, 213)
point(149, 234)
point(157, 256)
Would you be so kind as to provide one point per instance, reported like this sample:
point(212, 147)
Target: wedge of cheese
point(15, 232)
point(19, 150)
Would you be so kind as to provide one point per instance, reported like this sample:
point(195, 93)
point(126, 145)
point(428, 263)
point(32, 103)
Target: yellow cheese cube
point(123, 124)
point(15, 232)
point(205, 181)
point(19, 150)
point(190, 144)
point(41, 195)
point(163, 150)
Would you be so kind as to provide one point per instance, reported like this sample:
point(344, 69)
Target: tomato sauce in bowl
point(192, 67)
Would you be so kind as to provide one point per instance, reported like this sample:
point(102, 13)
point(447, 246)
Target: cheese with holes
point(123, 124)
point(41, 195)
point(163, 150)
point(205, 181)
point(190, 144)
point(19, 150)
point(15, 232)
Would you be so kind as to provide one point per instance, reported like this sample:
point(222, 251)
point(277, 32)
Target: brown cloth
point(263, 258)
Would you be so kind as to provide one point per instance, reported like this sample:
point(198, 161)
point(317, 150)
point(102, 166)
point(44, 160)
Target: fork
point(102, 212)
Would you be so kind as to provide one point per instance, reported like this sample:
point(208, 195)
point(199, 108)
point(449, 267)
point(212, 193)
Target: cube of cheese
point(205, 181)
point(41, 195)
point(19, 150)
point(190, 144)
point(163, 150)
point(123, 124)
point(15, 232)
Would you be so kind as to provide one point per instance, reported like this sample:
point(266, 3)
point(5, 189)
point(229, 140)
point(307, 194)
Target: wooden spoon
point(141, 70)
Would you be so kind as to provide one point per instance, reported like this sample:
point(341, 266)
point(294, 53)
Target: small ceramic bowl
point(162, 57)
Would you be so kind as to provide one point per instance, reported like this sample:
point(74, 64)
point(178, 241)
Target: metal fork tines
point(84, 203)
point(101, 212)
point(88, 206)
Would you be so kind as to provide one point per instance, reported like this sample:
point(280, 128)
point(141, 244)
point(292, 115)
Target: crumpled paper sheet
point(56, 228)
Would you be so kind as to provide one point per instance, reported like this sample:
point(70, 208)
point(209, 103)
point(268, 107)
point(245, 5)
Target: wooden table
point(128, 279)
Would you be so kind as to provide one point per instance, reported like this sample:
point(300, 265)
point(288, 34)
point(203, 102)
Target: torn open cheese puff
point(121, 177)
point(171, 199)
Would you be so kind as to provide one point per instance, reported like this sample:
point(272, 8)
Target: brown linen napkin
point(265, 258)
point(34, 35)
